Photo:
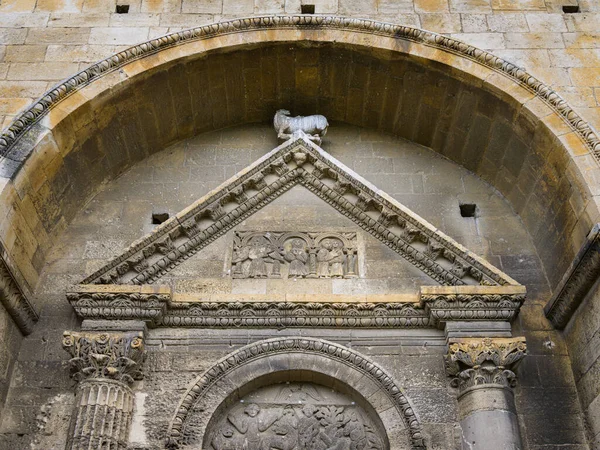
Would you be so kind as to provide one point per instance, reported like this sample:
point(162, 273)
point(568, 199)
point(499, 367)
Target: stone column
point(482, 370)
point(105, 364)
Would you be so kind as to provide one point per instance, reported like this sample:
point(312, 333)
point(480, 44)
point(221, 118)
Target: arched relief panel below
point(380, 410)
point(480, 111)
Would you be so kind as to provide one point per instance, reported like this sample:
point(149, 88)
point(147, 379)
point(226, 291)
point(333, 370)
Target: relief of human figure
point(337, 259)
point(252, 424)
point(259, 250)
point(240, 259)
point(296, 255)
point(285, 431)
point(323, 258)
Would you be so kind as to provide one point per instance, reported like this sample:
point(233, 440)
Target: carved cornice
point(295, 314)
point(577, 281)
point(298, 22)
point(113, 356)
point(262, 349)
point(155, 306)
point(299, 163)
point(147, 307)
point(15, 302)
point(474, 362)
point(472, 303)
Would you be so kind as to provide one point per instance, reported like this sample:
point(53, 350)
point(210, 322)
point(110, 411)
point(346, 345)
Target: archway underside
point(470, 113)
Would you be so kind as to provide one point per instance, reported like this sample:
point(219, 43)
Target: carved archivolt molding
point(299, 22)
point(263, 349)
point(437, 305)
point(14, 300)
point(299, 162)
point(474, 362)
point(577, 281)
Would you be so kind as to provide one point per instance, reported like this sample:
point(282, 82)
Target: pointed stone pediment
point(299, 162)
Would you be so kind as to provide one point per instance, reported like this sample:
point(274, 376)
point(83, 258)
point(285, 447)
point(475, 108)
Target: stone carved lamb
point(314, 126)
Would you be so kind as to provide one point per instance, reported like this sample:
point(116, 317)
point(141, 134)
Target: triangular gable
point(299, 162)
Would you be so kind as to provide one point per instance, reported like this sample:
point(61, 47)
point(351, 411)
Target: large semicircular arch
point(61, 126)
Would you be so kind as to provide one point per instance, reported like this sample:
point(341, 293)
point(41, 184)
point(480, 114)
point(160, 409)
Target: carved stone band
point(474, 362)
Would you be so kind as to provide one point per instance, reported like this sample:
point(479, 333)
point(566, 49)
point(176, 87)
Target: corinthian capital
point(473, 362)
point(115, 356)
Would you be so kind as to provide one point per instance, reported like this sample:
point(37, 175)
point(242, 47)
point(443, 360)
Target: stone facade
point(381, 291)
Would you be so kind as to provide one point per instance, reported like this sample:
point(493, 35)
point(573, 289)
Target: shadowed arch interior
point(128, 116)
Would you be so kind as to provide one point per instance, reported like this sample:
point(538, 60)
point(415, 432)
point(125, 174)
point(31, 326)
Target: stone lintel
point(14, 299)
point(579, 278)
point(480, 329)
point(114, 326)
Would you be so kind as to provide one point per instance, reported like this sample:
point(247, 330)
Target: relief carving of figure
point(336, 258)
point(323, 258)
point(252, 424)
point(297, 257)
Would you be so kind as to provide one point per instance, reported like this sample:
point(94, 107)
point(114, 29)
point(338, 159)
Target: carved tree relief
point(258, 254)
point(295, 416)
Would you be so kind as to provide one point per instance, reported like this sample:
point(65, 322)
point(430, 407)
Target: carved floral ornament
point(50, 99)
point(113, 356)
point(473, 362)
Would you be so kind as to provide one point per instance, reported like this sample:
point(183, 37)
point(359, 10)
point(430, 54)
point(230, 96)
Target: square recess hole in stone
point(122, 9)
point(307, 9)
point(158, 218)
point(570, 9)
point(468, 209)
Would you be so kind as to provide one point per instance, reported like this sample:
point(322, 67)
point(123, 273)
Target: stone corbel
point(444, 304)
point(14, 299)
point(147, 303)
point(105, 365)
point(577, 281)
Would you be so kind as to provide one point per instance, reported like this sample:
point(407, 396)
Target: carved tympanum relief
point(295, 416)
point(257, 254)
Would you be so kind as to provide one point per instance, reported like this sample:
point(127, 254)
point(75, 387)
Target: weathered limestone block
point(105, 364)
point(482, 370)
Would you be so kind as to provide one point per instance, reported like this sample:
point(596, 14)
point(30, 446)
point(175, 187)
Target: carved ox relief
point(258, 254)
point(299, 416)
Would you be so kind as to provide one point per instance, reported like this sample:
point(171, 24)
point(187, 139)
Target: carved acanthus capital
point(115, 356)
point(473, 362)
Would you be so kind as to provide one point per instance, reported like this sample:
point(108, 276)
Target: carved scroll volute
point(473, 362)
point(114, 356)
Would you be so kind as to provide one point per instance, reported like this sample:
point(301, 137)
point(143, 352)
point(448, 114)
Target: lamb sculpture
point(314, 126)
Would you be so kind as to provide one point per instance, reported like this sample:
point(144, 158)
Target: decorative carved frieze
point(179, 433)
point(148, 307)
point(111, 356)
point(50, 99)
point(15, 302)
point(473, 362)
point(258, 254)
point(295, 314)
point(300, 163)
point(583, 272)
point(472, 303)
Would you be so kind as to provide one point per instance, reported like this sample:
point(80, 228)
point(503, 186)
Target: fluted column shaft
point(105, 364)
point(482, 371)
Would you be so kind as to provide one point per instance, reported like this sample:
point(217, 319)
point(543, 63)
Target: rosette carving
point(114, 356)
point(473, 362)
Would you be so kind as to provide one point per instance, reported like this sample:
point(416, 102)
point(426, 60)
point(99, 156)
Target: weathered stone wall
point(42, 42)
point(170, 180)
